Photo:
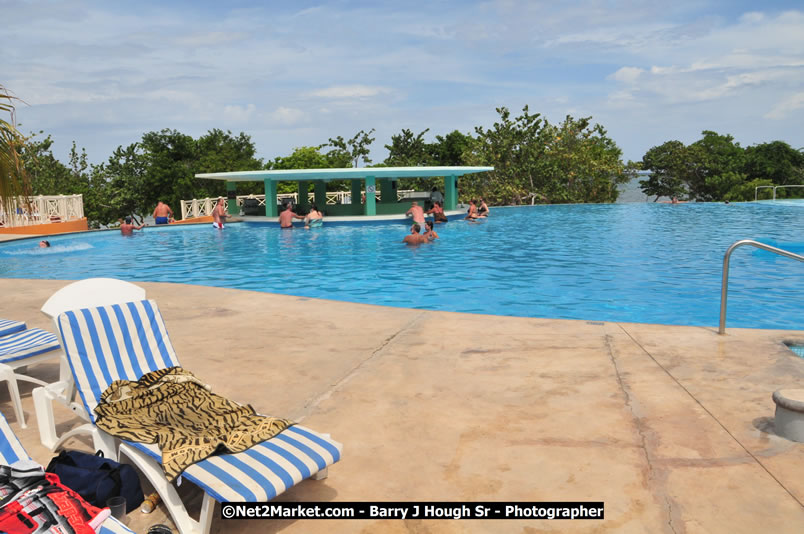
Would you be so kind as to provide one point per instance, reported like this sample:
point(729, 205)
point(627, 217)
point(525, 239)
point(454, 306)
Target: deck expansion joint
point(315, 401)
point(714, 418)
point(631, 404)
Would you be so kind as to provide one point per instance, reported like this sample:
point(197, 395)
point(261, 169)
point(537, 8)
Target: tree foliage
point(349, 153)
point(535, 161)
point(716, 168)
point(13, 179)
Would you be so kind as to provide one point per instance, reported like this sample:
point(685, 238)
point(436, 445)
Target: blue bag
point(97, 479)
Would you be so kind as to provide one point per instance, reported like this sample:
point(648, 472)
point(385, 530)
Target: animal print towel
point(173, 408)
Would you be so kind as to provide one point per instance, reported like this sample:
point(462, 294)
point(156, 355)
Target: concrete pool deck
point(672, 427)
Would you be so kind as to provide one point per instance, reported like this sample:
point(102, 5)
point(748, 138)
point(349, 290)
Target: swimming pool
point(649, 263)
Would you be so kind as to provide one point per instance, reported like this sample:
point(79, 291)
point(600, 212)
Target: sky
point(294, 74)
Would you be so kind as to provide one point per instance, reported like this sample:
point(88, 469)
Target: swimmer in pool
point(162, 213)
point(127, 228)
point(414, 237)
point(287, 216)
point(219, 214)
point(429, 233)
point(314, 218)
point(472, 215)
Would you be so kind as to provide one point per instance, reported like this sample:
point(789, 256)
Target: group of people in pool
point(162, 215)
point(313, 219)
point(416, 238)
point(478, 209)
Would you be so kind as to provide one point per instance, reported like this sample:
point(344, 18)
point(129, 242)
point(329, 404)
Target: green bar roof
point(341, 174)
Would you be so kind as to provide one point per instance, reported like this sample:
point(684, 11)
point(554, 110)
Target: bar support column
point(270, 198)
point(450, 193)
point(371, 200)
point(304, 201)
point(232, 207)
point(321, 195)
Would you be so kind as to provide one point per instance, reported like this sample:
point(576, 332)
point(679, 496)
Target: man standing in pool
point(287, 216)
point(414, 237)
point(219, 214)
point(126, 228)
point(417, 213)
point(162, 213)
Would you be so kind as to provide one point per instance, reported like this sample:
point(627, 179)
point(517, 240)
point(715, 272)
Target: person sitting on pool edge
point(483, 210)
point(162, 213)
point(414, 237)
point(472, 215)
point(429, 233)
point(126, 228)
point(287, 216)
point(219, 214)
point(437, 212)
point(314, 218)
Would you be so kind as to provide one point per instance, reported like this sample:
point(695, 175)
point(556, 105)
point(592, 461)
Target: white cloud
point(350, 92)
point(288, 116)
point(627, 74)
point(209, 38)
point(784, 108)
point(239, 113)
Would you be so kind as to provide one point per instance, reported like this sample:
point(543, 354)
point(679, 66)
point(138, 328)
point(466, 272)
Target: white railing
point(43, 209)
point(202, 207)
point(199, 207)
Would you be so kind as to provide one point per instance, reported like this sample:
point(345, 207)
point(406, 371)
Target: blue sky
point(296, 73)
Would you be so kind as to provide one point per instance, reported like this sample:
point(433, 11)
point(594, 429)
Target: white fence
point(42, 210)
point(202, 207)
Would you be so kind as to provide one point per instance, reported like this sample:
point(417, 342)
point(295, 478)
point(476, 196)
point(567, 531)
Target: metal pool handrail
point(774, 187)
point(724, 288)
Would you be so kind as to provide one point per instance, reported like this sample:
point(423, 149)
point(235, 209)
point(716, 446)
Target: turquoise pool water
point(650, 263)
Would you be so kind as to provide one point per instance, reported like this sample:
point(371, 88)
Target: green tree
point(170, 162)
point(715, 162)
point(580, 163)
point(408, 150)
point(775, 161)
point(451, 150)
point(48, 176)
point(745, 191)
point(513, 146)
point(13, 179)
point(220, 151)
point(667, 164)
point(349, 153)
point(125, 174)
point(306, 157)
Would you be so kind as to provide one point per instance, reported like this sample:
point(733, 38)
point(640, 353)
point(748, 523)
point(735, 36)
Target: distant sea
point(630, 192)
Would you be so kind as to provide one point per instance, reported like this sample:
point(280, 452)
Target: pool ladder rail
point(724, 288)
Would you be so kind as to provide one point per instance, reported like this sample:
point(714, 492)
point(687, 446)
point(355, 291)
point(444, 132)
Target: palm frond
point(13, 179)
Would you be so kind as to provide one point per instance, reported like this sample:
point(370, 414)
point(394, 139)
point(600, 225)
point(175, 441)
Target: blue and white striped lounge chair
point(11, 450)
point(86, 293)
point(125, 341)
point(19, 350)
point(9, 327)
